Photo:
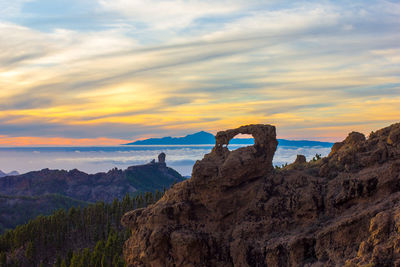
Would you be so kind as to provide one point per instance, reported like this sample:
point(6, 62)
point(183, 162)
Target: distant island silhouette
point(205, 138)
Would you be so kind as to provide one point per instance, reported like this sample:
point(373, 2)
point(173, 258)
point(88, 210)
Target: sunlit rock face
point(237, 210)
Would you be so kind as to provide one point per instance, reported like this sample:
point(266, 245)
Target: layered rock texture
point(236, 210)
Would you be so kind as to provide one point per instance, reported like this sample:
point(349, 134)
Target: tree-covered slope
point(16, 210)
point(82, 236)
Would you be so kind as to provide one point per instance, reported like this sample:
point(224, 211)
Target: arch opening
point(240, 140)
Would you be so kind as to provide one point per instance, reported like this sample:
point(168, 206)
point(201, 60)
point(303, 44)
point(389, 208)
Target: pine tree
point(76, 257)
point(58, 262)
point(52, 238)
point(3, 259)
point(104, 261)
point(30, 252)
point(85, 258)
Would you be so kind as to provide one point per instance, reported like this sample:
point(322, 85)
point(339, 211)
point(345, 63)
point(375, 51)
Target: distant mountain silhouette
point(200, 138)
point(205, 138)
point(13, 173)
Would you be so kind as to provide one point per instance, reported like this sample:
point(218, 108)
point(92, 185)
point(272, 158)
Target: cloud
point(177, 100)
point(198, 65)
point(51, 129)
point(164, 15)
point(10, 9)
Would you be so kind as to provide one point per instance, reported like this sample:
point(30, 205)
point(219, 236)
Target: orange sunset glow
point(316, 71)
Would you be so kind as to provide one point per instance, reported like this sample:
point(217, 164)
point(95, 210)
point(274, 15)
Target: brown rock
point(231, 168)
point(237, 211)
point(394, 136)
point(300, 159)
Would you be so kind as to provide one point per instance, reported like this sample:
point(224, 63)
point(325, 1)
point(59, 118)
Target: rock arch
point(264, 135)
point(238, 165)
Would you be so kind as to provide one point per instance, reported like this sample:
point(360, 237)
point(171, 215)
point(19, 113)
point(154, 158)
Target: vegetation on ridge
point(16, 210)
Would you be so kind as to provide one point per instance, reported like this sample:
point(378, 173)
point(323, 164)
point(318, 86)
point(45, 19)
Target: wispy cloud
point(315, 69)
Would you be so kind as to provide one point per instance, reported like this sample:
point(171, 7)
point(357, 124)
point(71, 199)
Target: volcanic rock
point(237, 210)
point(161, 157)
point(230, 168)
point(300, 159)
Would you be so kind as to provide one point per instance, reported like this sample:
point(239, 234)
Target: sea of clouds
point(102, 159)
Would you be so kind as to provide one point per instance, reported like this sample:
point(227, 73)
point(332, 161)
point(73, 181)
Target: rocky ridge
point(237, 210)
point(92, 187)
point(3, 174)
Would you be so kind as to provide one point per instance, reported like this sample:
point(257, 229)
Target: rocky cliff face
point(236, 210)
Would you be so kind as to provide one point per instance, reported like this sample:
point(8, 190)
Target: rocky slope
point(92, 187)
point(237, 210)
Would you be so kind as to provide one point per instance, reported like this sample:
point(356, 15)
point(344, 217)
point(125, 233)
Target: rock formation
point(300, 159)
point(237, 210)
point(161, 157)
point(161, 161)
point(235, 167)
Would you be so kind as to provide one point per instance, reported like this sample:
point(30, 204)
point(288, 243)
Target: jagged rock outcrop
point(236, 210)
point(161, 157)
point(300, 159)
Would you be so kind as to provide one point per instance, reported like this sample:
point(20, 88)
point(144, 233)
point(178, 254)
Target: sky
point(103, 72)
